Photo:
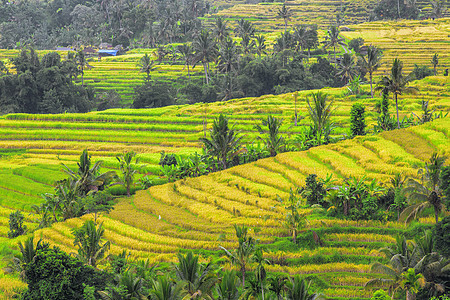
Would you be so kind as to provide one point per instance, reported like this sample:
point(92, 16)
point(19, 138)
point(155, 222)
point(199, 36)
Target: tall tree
point(82, 64)
point(426, 192)
point(435, 62)
point(347, 68)
point(371, 63)
point(286, 14)
point(273, 140)
point(332, 39)
point(146, 65)
point(320, 112)
point(260, 45)
point(221, 29)
point(396, 84)
point(186, 53)
point(205, 51)
point(242, 256)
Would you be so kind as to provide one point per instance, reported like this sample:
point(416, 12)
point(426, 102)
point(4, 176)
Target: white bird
point(159, 217)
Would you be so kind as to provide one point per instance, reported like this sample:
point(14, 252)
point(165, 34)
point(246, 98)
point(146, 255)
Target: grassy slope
point(25, 173)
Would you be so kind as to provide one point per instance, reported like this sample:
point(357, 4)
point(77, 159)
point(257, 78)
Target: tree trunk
point(335, 61)
point(206, 73)
point(128, 191)
point(189, 74)
point(398, 8)
point(434, 70)
point(371, 89)
point(243, 275)
point(410, 295)
point(396, 106)
point(436, 214)
point(345, 207)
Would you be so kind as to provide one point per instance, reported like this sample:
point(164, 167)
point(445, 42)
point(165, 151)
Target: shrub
point(16, 226)
point(357, 119)
point(314, 191)
point(421, 72)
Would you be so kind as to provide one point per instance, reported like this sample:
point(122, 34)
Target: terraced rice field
point(198, 213)
point(414, 42)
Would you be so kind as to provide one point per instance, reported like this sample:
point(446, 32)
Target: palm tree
point(396, 84)
point(128, 169)
point(88, 239)
point(133, 284)
point(320, 113)
point(228, 56)
point(285, 13)
point(224, 142)
point(242, 256)
point(198, 279)
point(297, 289)
point(277, 285)
point(87, 178)
point(260, 271)
point(393, 281)
point(227, 289)
point(27, 253)
point(332, 39)
point(274, 141)
point(205, 51)
point(245, 29)
point(186, 52)
point(164, 288)
point(371, 63)
point(260, 45)
point(347, 68)
point(146, 65)
point(82, 64)
point(221, 29)
point(301, 37)
point(435, 62)
point(427, 192)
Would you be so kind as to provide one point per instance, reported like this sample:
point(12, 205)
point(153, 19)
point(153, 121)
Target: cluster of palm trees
point(412, 265)
point(81, 193)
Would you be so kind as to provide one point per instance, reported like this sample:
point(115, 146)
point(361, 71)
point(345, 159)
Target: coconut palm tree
point(260, 45)
point(88, 239)
point(221, 29)
point(146, 65)
point(347, 68)
point(186, 53)
point(273, 140)
point(301, 37)
point(198, 279)
point(242, 256)
point(435, 62)
point(371, 63)
point(332, 39)
point(205, 51)
point(396, 84)
point(320, 111)
point(82, 64)
point(277, 285)
point(260, 271)
point(285, 13)
point(426, 192)
point(87, 178)
point(228, 56)
point(224, 142)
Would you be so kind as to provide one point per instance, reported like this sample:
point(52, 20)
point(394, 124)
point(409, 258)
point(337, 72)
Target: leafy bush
point(314, 191)
point(421, 72)
point(16, 226)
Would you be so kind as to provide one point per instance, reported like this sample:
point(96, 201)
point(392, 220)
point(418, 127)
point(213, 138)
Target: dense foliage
point(43, 85)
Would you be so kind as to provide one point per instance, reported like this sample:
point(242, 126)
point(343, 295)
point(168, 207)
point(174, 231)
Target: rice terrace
point(208, 149)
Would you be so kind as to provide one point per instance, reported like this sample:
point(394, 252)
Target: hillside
point(198, 213)
point(33, 146)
